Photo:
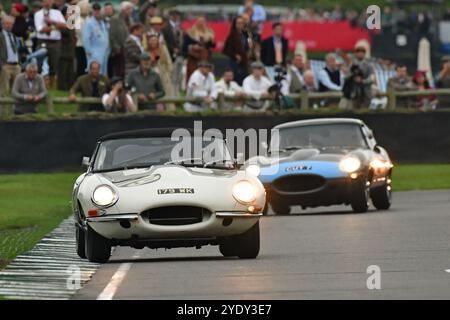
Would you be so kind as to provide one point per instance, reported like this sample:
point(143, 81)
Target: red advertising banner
point(318, 36)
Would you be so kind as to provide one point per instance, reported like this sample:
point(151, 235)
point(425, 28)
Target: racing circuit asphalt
point(321, 254)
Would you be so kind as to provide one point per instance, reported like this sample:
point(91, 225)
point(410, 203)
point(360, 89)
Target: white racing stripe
point(448, 270)
point(111, 288)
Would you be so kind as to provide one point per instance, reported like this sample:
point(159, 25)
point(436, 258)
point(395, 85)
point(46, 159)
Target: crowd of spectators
point(130, 57)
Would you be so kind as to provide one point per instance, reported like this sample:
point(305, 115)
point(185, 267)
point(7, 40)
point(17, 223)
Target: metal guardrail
point(303, 98)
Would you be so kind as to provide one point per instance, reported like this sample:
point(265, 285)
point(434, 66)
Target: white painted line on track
point(448, 270)
point(111, 288)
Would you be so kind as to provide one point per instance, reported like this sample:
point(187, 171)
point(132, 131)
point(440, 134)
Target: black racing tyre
point(265, 209)
point(381, 197)
point(244, 246)
point(360, 196)
point(280, 209)
point(80, 242)
point(98, 248)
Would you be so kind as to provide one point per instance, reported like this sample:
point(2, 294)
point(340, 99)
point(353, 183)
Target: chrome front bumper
point(135, 216)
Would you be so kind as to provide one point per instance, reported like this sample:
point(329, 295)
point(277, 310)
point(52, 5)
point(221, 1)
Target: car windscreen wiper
point(122, 168)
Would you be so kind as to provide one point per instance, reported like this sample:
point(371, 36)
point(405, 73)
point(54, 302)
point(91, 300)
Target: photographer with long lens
point(118, 100)
point(353, 90)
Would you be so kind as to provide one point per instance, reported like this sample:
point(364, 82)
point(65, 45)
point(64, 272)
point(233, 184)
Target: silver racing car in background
point(325, 162)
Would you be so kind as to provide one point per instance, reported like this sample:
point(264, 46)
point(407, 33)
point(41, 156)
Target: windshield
point(131, 153)
point(321, 136)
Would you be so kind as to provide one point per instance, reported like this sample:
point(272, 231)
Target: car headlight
point(104, 196)
point(350, 164)
point(253, 170)
point(378, 164)
point(244, 192)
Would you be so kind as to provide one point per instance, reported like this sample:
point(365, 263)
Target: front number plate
point(176, 191)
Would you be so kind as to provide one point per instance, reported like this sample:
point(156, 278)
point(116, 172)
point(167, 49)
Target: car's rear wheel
point(80, 242)
point(244, 246)
point(360, 196)
point(98, 248)
point(381, 197)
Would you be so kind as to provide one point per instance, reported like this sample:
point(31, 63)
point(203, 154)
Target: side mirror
point(86, 162)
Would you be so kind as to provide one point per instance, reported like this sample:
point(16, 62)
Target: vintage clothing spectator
point(309, 81)
point(294, 77)
point(9, 57)
point(202, 85)
point(259, 15)
point(133, 48)
point(443, 81)
point(402, 82)
point(92, 84)
point(118, 100)
point(274, 50)
point(155, 27)
point(163, 64)
point(146, 83)
point(237, 49)
point(80, 53)
point(66, 66)
point(20, 27)
point(96, 39)
point(197, 46)
point(147, 11)
point(368, 74)
point(330, 77)
point(118, 34)
point(256, 85)
point(173, 36)
point(230, 89)
point(421, 83)
point(49, 23)
point(29, 90)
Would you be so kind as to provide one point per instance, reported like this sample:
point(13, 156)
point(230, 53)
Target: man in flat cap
point(256, 85)
point(146, 83)
point(201, 85)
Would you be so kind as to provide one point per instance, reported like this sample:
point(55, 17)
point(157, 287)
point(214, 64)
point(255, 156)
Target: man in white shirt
point(201, 85)
point(256, 85)
point(230, 89)
point(48, 23)
point(9, 56)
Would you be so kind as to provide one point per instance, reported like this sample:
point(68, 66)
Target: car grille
point(299, 183)
point(175, 215)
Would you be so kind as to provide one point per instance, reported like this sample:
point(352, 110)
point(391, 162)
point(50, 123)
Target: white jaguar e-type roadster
point(137, 193)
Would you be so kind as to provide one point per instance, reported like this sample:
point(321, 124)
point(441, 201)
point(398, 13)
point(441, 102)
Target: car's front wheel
point(98, 248)
point(80, 242)
point(280, 209)
point(360, 196)
point(381, 197)
point(244, 246)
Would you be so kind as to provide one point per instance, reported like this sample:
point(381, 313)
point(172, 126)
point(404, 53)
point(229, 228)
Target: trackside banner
point(318, 36)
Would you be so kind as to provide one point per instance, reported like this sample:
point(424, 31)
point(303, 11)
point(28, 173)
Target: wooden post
point(392, 98)
point(49, 103)
point(221, 101)
point(304, 100)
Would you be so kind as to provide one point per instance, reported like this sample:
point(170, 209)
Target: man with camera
point(118, 100)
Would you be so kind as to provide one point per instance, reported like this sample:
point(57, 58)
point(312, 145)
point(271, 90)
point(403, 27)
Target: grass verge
point(421, 177)
point(31, 205)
